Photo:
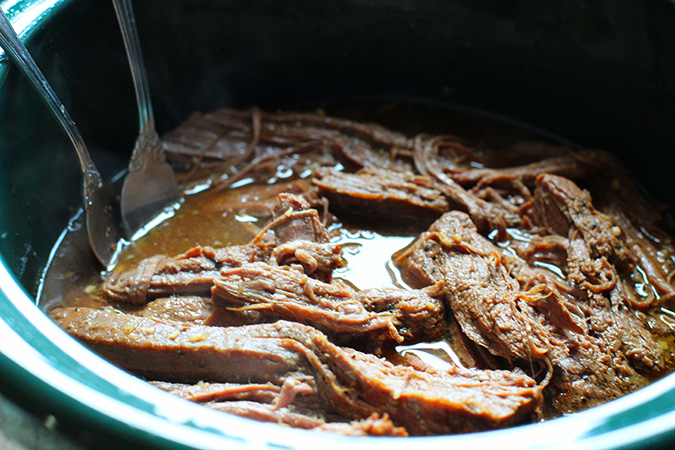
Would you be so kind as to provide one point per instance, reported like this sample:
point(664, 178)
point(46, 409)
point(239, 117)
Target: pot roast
point(547, 279)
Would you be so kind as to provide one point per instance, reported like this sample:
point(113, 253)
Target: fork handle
point(25, 62)
point(127, 22)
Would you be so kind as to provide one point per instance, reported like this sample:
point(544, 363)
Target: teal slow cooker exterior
point(600, 73)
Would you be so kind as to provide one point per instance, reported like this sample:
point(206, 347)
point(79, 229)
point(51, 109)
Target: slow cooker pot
point(599, 73)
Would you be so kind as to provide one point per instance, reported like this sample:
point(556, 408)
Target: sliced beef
point(270, 403)
point(300, 238)
point(317, 260)
point(349, 383)
point(419, 314)
point(191, 309)
point(373, 425)
point(173, 351)
point(448, 156)
point(295, 220)
point(587, 370)
point(214, 392)
point(547, 253)
point(519, 271)
point(308, 419)
point(207, 137)
point(373, 316)
point(222, 317)
point(297, 390)
point(381, 193)
point(289, 415)
point(191, 273)
point(469, 163)
point(446, 153)
point(487, 215)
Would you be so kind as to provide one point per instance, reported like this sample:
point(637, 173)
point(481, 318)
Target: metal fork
point(99, 200)
point(150, 186)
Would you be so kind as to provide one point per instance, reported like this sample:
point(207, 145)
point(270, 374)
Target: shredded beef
point(242, 143)
point(308, 419)
point(560, 205)
point(212, 392)
point(191, 309)
point(303, 239)
point(518, 313)
point(478, 286)
point(191, 273)
point(381, 193)
point(292, 404)
point(574, 166)
point(374, 316)
point(548, 278)
point(486, 213)
point(594, 243)
point(654, 258)
point(300, 238)
point(258, 201)
point(294, 220)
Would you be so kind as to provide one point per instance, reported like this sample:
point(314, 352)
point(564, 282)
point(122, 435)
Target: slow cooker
point(599, 73)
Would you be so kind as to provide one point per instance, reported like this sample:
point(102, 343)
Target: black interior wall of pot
point(601, 73)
